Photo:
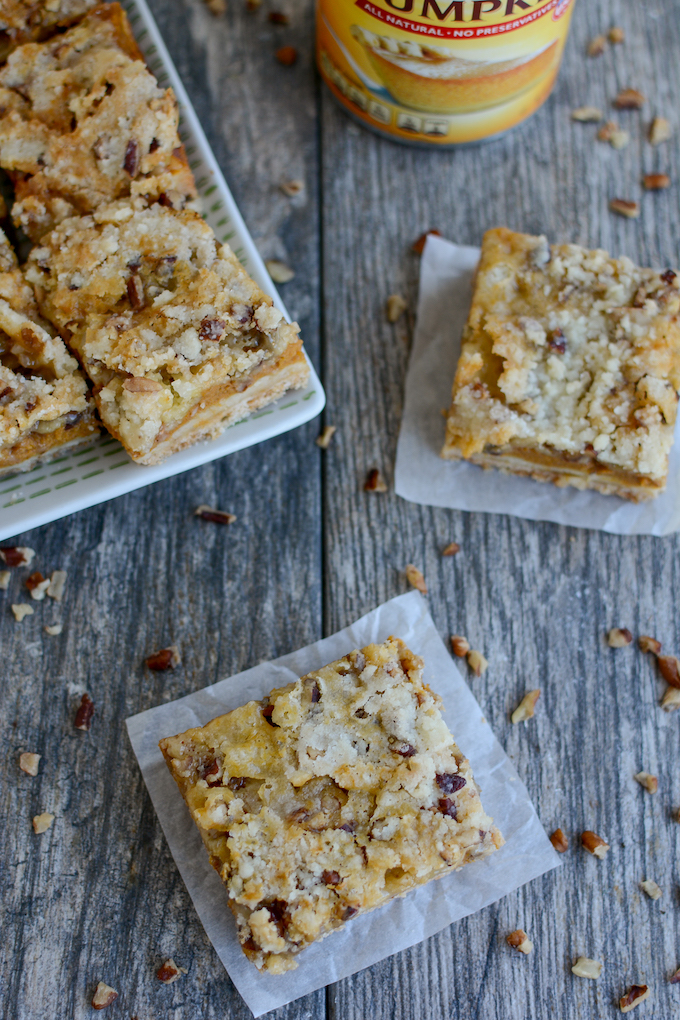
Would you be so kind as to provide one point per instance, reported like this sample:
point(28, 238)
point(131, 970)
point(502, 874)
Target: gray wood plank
point(98, 896)
point(536, 598)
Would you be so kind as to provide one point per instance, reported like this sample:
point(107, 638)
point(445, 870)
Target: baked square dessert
point(569, 368)
point(23, 21)
point(334, 795)
point(83, 122)
point(44, 402)
point(177, 339)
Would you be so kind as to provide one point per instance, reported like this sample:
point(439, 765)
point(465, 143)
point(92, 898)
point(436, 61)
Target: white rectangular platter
point(103, 470)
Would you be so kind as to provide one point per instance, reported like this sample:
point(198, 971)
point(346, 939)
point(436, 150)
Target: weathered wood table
point(98, 897)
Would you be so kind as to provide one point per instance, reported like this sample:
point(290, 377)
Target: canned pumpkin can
point(441, 72)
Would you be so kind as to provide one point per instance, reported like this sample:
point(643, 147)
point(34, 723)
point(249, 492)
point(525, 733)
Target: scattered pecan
point(586, 968)
point(633, 998)
point(460, 645)
point(656, 182)
point(20, 610)
point(650, 783)
point(169, 972)
point(41, 823)
point(395, 307)
point(619, 139)
point(28, 763)
point(4, 579)
point(55, 589)
point(279, 271)
point(131, 162)
point(217, 7)
point(520, 940)
point(104, 995)
point(624, 207)
point(375, 481)
point(419, 246)
point(451, 549)
point(586, 114)
point(559, 841)
point(594, 844)
point(279, 18)
point(597, 46)
point(209, 513)
point(415, 578)
point(526, 707)
point(85, 713)
point(674, 979)
point(17, 555)
point(325, 438)
point(287, 55)
point(650, 887)
point(477, 663)
point(619, 637)
point(616, 35)
point(669, 667)
point(292, 188)
point(166, 658)
point(649, 644)
point(671, 700)
point(607, 130)
point(660, 130)
point(630, 99)
point(53, 629)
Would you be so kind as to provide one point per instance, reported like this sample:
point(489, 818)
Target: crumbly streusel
point(568, 355)
point(23, 21)
point(331, 797)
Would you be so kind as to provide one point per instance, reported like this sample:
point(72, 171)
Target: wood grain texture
point(98, 896)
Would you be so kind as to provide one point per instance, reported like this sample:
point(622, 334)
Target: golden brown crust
point(23, 21)
point(570, 362)
point(331, 797)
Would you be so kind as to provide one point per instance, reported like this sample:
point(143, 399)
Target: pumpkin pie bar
point(83, 122)
point(569, 369)
point(45, 407)
point(329, 798)
point(23, 21)
point(176, 337)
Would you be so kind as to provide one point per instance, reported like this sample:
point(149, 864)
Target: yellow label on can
point(441, 71)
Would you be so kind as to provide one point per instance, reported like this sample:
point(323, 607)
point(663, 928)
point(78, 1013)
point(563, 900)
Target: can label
point(441, 71)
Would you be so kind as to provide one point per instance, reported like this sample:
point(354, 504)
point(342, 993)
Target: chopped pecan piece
point(279, 271)
point(619, 637)
point(135, 291)
point(4, 579)
point(375, 481)
point(587, 114)
point(166, 658)
point(17, 555)
point(586, 968)
point(325, 438)
point(594, 844)
point(630, 99)
point(650, 887)
point(526, 707)
point(56, 586)
point(448, 808)
point(131, 162)
point(85, 713)
point(41, 823)
point(649, 644)
point(419, 246)
point(169, 972)
point(616, 35)
point(674, 979)
point(217, 7)
point(450, 782)
point(633, 998)
point(279, 18)
point(104, 995)
point(559, 841)
point(557, 341)
point(209, 513)
point(21, 610)
point(395, 307)
point(29, 762)
point(477, 663)
point(330, 878)
point(671, 700)
point(659, 130)
point(520, 940)
point(451, 549)
point(624, 207)
point(53, 629)
point(287, 55)
point(597, 46)
point(460, 645)
point(415, 578)
point(605, 133)
point(656, 182)
point(650, 783)
point(292, 188)
point(619, 139)
point(211, 329)
point(669, 667)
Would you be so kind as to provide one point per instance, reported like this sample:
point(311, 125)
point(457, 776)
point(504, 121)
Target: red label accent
point(558, 7)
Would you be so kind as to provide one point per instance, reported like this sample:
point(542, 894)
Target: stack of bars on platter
point(126, 310)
